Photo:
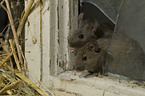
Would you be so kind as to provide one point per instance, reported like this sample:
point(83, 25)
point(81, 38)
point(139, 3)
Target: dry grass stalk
point(9, 87)
point(6, 76)
point(15, 55)
point(38, 89)
point(30, 83)
point(5, 60)
point(13, 30)
point(9, 92)
point(3, 84)
point(25, 63)
point(21, 25)
point(20, 87)
point(11, 64)
point(1, 3)
point(4, 45)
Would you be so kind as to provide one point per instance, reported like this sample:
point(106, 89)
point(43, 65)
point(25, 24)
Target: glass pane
point(109, 7)
point(128, 42)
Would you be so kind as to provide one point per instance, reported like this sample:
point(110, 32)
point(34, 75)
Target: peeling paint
point(34, 40)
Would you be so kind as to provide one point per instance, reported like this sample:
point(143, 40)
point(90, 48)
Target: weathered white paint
point(32, 43)
point(47, 30)
point(45, 41)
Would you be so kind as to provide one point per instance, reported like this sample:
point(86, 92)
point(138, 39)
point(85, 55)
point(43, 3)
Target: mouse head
point(90, 57)
point(84, 33)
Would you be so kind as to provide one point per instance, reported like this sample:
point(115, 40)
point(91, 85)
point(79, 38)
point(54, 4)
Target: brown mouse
point(90, 57)
point(84, 32)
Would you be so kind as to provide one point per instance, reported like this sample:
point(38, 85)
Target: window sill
point(94, 86)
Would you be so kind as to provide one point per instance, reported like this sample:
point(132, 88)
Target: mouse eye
point(84, 58)
point(81, 36)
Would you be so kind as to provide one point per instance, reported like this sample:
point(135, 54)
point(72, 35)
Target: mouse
point(90, 57)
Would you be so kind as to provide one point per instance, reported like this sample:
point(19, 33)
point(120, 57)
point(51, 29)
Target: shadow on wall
point(92, 12)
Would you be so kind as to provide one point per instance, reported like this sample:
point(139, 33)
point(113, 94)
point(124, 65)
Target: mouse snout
point(79, 67)
point(71, 43)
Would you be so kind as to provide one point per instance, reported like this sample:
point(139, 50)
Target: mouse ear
point(80, 18)
point(94, 26)
point(94, 47)
point(97, 30)
point(98, 33)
